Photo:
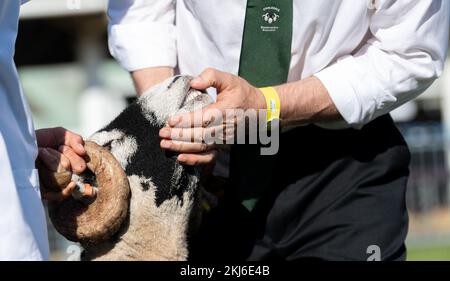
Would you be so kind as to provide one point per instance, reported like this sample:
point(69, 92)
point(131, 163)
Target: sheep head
point(110, 162)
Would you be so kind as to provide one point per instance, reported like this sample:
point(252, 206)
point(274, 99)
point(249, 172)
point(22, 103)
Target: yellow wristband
point(273, 103)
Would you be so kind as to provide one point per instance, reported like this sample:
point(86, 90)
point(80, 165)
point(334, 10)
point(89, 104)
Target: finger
point(198, 159)
point(54, 137)
point(67, 192)
point(209, 116)
point(182, 134)
point(59, 196)
point(75, 142)
point(53, 160)
point(208, 136)
point(185, 147)
point(60, 163)
point(77, 163)
point(211, 77)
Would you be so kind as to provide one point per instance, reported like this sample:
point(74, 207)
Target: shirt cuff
point(354, 92)
point(138, 46)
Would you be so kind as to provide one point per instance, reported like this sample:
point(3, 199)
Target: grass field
point(429, 254)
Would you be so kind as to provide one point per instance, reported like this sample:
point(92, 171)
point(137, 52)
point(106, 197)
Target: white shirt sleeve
point(405, 53)
point(141, 33)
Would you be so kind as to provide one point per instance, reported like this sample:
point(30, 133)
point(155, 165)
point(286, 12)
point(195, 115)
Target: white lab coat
point(23, 230)
point(371, 56)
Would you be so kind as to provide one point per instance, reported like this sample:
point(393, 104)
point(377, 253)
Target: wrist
point(272, 101)
point(260, 101)
point(146, 78)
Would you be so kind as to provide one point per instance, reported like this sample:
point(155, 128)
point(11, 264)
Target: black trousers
point(333, 195)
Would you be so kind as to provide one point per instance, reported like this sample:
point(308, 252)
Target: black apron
point(333, 195)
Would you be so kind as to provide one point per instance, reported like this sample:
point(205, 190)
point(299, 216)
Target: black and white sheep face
point(133, 137)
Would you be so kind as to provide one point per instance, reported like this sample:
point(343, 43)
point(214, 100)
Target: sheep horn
point(102, 218)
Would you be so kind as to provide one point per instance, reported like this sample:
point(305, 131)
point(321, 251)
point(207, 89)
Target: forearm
point(145, 78)
point(306, 101)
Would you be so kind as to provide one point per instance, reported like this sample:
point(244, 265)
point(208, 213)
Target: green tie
point(266, 45)
point(265, 60)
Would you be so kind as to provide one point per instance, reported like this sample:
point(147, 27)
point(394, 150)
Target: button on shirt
point(23, 230)
point(372, 56)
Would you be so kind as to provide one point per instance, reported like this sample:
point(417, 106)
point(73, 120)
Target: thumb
point(211, 77)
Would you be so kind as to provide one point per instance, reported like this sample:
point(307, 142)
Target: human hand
point(186, 133)
point(61, 152)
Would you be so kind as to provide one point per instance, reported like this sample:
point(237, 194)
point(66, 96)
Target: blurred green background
point(438, 253)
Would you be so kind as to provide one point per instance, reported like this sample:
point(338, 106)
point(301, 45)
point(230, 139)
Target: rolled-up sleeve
point(141, 33)
point(405, 53)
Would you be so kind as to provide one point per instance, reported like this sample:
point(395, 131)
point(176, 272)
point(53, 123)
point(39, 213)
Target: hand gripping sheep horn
point(91, 222)
point(143, 202)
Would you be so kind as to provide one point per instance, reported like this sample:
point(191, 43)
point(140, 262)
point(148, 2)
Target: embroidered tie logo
point(270, 15)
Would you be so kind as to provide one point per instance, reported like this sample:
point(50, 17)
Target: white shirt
point(23, 230)
point(371, 60)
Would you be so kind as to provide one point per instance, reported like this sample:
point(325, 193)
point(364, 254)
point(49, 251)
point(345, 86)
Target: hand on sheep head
point(188, 133)
point(59, 151)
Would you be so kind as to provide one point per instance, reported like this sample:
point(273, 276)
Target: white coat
point(23, 230)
